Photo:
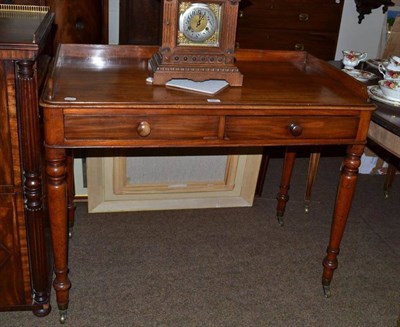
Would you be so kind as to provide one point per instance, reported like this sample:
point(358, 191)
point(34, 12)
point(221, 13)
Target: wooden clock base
point(162, 72)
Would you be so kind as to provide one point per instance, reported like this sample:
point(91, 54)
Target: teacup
point(388, 73)
point(352, 58)
point(390, 89)
point(394, 63)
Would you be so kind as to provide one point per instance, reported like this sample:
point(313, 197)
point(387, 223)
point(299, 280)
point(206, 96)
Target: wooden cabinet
point(140, 22)
point(78, 21)
point(75, 21)
point(309, 25)
point(25, 266)
point(27, 39)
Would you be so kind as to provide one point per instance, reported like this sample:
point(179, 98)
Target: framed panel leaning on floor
point(225, 181)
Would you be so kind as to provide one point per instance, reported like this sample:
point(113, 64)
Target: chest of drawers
point(312, 26)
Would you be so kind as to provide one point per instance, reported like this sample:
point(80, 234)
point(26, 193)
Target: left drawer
point(127, 127)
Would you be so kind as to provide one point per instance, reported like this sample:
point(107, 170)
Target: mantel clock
point(198, 42)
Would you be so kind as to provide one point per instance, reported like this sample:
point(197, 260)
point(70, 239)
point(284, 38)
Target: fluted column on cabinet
point(30, 138)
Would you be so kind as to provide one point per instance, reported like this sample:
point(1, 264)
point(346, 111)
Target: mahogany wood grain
point(25, 269)
point(287, 99)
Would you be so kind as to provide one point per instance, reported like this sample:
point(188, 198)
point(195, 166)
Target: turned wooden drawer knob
point(295, 129)
point(144, 129)
point(299, 47)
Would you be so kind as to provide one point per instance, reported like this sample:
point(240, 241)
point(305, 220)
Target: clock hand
point(200, 19)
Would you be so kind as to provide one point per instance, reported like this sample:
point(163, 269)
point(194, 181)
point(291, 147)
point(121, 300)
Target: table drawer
point(293, 17)
point(259, 128)
point(321, 45)
point(126, 127)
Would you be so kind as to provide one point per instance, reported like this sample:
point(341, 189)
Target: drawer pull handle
point(299, 46)
point(144, 129)
point(241, 14)
point(295, 129)
point(303, 17)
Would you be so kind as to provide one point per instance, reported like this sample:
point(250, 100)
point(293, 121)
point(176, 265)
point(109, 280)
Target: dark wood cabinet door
point(77, 21)
point(140, 22)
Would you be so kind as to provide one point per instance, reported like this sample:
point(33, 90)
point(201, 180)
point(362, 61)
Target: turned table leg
point(71, 192)
point(283, 195)
point(345, 193)
point(312, 174)
point(57, 206)
point(391, 173)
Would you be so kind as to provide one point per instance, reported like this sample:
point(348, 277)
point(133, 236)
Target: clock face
point(199, 24)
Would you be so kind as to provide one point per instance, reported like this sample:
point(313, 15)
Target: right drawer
point(300, 16)
point(262, 128)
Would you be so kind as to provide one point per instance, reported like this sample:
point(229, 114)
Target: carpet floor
point(236, 266)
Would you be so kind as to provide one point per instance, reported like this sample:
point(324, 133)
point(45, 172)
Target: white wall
point(366, 37)
point(113, 23)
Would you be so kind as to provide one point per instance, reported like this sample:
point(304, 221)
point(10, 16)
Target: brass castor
point(327, 290)
point(63, 316)
point(306, 207)
point(280, 220)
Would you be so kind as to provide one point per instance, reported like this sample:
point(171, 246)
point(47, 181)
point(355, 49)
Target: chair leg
point(391, 172)
point(312, 173)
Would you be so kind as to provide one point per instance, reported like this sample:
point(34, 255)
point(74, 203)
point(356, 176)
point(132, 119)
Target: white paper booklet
point(206, 87)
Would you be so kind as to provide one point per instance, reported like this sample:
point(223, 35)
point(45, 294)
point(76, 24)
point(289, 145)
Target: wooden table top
point(104, 75)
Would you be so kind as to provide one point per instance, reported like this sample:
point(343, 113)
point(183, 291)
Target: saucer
point(374, 63)
point(376, 93)
point(361, 75)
